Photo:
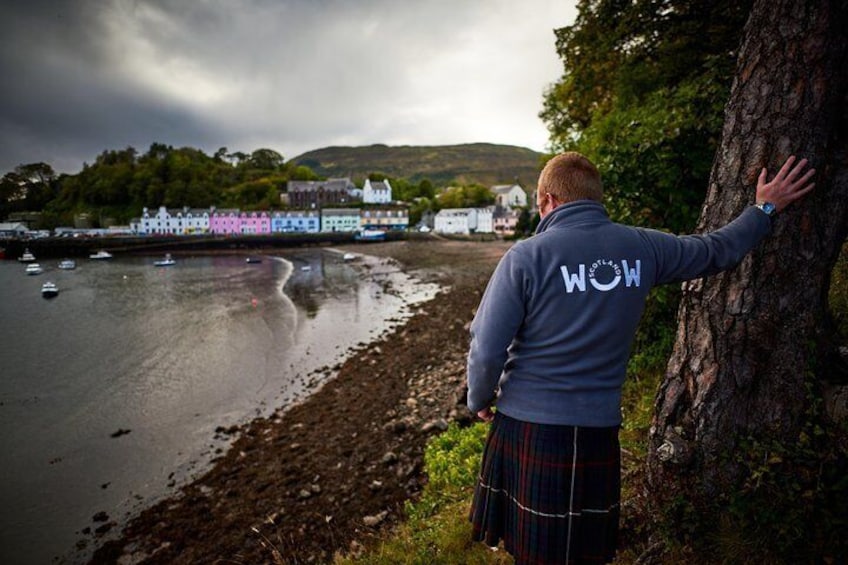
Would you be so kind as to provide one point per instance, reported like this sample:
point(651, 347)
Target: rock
point(435, 425)
point(100, 517)
point(303, 494)
point(389, 458)
point(375, 520)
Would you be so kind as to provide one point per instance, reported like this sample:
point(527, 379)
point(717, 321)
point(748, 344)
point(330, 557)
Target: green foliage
point(791, 507)
point(838, 293)
point(29, 187)
point(453, 458)
point(121, 183)
point(655, 157)
point(642, 94)
point(468, 196)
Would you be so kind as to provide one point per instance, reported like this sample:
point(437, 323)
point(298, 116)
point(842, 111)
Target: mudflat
point(326, 475)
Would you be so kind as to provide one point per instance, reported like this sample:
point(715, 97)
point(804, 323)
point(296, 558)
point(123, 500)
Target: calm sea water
point(167, 354)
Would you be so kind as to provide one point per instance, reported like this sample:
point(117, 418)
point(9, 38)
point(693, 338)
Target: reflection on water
point(167, 354)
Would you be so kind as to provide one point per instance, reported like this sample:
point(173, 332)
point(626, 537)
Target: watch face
point(768, 208)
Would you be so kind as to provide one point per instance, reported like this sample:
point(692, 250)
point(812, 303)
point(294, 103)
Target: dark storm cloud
point(84, 76)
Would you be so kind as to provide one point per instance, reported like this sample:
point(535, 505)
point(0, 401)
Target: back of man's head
point(570, 176)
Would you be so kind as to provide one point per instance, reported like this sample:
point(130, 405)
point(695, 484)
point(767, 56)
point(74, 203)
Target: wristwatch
point(768, 208)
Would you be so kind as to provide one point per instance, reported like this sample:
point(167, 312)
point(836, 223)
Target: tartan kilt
point(550, 492)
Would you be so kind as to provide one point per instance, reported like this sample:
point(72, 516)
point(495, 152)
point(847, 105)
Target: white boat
point(34, 269)
point(253, 260)
point(27, 257)
point(348, 257)
point(67, 264)
point(370, 235)
point(49, 290)
point(100, 255)
point(306, 268)
point(166, 262)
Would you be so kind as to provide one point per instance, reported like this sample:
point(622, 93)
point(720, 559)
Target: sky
point(84, 76)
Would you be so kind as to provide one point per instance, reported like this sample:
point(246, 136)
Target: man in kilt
point(549, 348)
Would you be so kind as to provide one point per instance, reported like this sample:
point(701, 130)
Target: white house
point(377, 192)
point(183, 221)
point(509, 195)
point(464, 221)
point(12, 229)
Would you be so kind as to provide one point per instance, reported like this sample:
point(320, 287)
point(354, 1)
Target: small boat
point(306, 268)
point(49, 290)
point(167, 261)
point(253, 260)
point(67, 264)
point(370, 235)
point(34, 269)
point(27, 257)
point(100, 255)
point(348, 257)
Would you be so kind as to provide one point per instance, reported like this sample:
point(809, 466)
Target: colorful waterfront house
point(313, 195)
point(166, 221)
point(464, 221)
point(296, 221)
point(509, 195)
point(377, 192)
point(255, 223)
point(395, 218)
point(225, 221)
point(505, 220)
point(340, 219)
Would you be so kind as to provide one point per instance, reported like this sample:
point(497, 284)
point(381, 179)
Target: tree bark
point(749, 340)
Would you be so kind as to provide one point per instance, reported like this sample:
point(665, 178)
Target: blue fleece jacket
point(551, 338)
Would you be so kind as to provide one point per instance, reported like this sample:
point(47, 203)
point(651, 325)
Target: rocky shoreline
point(326, 475)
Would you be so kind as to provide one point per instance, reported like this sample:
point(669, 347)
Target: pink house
point(234, 222)
point(223, 222)
point(255, 223)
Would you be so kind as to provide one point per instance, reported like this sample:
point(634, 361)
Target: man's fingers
point(796, 170)
point(785, 168)
point(803, 180)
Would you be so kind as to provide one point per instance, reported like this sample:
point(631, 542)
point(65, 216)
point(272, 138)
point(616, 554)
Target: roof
point(342, 184)
point(505, 188)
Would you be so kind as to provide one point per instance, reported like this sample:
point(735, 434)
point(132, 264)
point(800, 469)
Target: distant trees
point(468, 196)
point(28, 187)
point(120, 183)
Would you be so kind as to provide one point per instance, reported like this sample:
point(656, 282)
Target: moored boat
point(253, 260)
point(370, 235)
point(100, 255)
point(26, 257)
point(348, 257)
point(34, 269)
point(167, 261)
point(49, 290)
point(67, 264)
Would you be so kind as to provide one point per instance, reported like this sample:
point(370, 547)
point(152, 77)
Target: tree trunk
point(751, 341)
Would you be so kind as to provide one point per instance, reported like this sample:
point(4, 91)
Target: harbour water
point(111, 393)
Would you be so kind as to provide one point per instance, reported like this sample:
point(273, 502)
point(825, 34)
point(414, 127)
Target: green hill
point(482, 163)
